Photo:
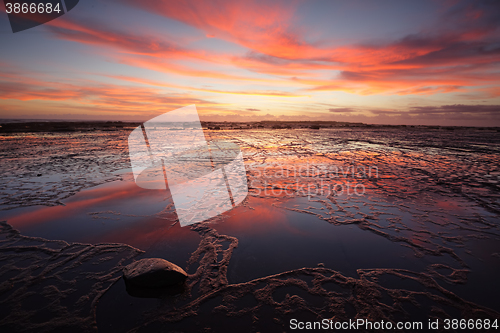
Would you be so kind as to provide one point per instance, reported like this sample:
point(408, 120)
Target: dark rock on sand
point(153, 273)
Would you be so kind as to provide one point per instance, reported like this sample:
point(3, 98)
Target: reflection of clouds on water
point(421, 242)
point(201, 175)
point(44, 169)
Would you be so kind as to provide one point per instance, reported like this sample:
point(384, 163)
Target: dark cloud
point(265, 58)
point(343, 110)
point(356, 76)
point(491, 110)
point(93, 32)
point(446, 110)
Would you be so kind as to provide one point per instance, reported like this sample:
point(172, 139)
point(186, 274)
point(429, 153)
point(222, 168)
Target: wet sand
point(383, 223)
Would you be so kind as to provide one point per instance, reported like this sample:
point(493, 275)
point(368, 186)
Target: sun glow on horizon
point(255, 60)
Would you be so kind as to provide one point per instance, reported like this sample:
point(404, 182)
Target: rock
point(153, 273)
point(161, 292)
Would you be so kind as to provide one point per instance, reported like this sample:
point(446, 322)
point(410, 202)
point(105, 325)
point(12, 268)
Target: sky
point(377, 62)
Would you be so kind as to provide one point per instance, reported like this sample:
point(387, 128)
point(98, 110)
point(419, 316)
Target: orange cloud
point(268, 93)
point(258, 25)
point(439, 59)
point(96, 96)
point(459, 55)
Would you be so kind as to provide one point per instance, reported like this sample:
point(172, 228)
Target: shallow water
point(349, 223)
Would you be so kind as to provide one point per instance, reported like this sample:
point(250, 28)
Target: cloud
point(266, 52)
point(343, 110)
point(266, 93)
point(146, 51)
point(461, 50)
point(457, 109)
point(264, 26)
point(447, 115)
point(96, 33)
point(94, 96)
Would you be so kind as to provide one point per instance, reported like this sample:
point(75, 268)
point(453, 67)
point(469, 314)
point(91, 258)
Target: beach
point(341, 222)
